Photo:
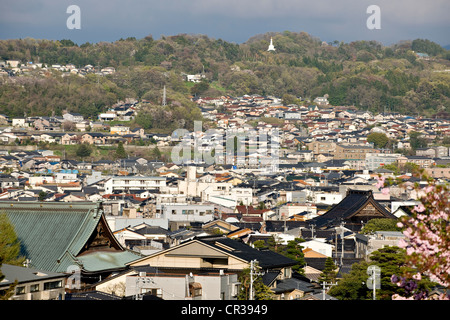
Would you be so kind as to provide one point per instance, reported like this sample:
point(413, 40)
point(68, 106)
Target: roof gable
point(356, 206)
point(54, 234)
point(199, 249)
point(218, 247)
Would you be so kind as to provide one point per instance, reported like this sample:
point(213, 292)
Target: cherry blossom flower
point(427, 243)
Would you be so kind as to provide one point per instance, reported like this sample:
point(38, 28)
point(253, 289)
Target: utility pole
point(374, 280)
point(324, 288)
point(251, 280)
point(253, 274)
point(164, 101)
point(342, 241)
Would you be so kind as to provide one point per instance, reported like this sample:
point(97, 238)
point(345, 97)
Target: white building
point(327, 198)
point(185, 212)
point(291, 209)
point(228, 198)
point(195, 77)
point(73, 117)
point(223, 286)
point(129, 183)
point(107, 116)
point(376, 160)
point(19, 122)
point(65, 177)
point(319, 245)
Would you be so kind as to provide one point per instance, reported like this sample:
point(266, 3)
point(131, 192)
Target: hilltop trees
point(379, 139)
point(362, 73)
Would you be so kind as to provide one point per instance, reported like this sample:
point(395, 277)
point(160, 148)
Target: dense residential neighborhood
point(153, 228)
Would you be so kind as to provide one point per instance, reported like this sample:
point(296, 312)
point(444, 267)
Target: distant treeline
point(364, 74)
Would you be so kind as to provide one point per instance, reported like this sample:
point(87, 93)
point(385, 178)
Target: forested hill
point(365, 74)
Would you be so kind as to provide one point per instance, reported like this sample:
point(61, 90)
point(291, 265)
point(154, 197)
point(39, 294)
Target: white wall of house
point(320, 246)
point(62, 177)
point(289, 210)
point(117, 223)
point(134, 183)
point(327, 198)
point(213, 287)
point(186, 212)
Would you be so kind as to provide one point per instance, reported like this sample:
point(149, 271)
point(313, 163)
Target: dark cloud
point(231, 20)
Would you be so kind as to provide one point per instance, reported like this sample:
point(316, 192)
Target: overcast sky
point(231, 20)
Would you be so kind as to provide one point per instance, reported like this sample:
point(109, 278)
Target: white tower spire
point(271, 47)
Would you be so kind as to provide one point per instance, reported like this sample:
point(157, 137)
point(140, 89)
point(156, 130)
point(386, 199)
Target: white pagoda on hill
point(271, 47)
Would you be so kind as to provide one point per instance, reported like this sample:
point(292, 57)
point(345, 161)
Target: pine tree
point(84, 150)
point(120, 151)
point(329, 272)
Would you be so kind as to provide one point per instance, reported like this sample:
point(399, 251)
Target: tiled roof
point(266, 259)
point(349, 206)
point(52, 234)
point(23, 274)
point(47, 230)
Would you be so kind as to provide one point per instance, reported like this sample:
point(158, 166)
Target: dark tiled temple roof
point(351, 205)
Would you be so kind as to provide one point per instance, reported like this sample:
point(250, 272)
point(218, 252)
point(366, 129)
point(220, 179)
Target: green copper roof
point(97, 261)
point(52, 234)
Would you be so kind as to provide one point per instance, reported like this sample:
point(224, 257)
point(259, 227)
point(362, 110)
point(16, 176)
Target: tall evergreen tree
point(328, 274)
point(83, 150)
point(120, 151)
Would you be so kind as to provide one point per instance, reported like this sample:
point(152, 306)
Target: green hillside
point(365, 74)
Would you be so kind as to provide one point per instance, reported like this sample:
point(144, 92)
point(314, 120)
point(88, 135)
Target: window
point(287, 272)
point(235, 289)
point(153, 291)
point(52, 285)
point(34, 287)
point(20, 290)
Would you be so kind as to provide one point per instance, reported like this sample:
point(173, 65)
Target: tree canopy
point(9, 251)
point(364, 74)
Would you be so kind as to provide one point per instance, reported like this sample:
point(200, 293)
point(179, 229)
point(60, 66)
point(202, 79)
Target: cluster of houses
point(185, 237)
point(333, 137)
point(73, 128)
point(71, 121)
point(16, 67)
point(186, 231)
